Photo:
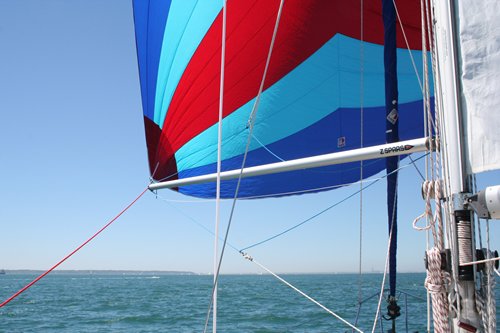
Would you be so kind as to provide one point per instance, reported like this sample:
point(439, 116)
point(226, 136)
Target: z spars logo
point(395, 149)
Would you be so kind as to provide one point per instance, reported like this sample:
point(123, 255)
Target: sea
point(167, 302)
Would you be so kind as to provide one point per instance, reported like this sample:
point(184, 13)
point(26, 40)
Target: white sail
point(479, 44)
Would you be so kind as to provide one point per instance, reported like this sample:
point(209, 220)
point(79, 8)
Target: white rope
point(193, 201)
point(218, 184)
point(426, 186)
point(480, 261)
point(248, 257)
point(371, 180)
point(267, 149)
point(435, 284)
point(489, 268)
point(361, 110)
point(218, 259)
point(427, 189)
point(386, 262)
point(381, 294)
point(480, 305)
point(268, 60)
point(408, 46)
point(436, 280)
point(464, 242)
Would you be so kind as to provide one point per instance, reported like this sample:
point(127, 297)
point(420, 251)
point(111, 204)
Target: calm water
point(178, 303)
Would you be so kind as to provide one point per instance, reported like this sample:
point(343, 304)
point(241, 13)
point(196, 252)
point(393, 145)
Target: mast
point(460, 222)
point(392, 135)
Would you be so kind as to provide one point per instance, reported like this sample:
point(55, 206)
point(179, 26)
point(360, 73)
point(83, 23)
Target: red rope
point(74, 251)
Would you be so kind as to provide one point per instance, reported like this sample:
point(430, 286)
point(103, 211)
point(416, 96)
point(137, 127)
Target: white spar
point(361, 154)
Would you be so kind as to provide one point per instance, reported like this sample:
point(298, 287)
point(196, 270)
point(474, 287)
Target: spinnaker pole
point(361, 154)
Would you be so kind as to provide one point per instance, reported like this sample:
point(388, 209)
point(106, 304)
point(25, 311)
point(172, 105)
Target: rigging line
point(385, 269)
point(416, 168)
point(408, 46)
point(213, 301)
point(249, 138)
point(194, 201)
point(326, 209)
point(490, 280)
point(480, 261)
point(267, 149)
point(477, 221)
point(361, 97)
point(325, 188)
point(248, 257)
point(192, 219)
point(73, 252)
point(317, 189)
point(426, 113)
point(253, 260)
point(308, 219)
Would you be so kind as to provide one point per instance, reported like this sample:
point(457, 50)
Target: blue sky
point(73, 155)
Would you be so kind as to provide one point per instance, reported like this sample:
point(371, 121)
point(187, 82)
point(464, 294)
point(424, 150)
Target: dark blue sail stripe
point(330, 129)
point(392, 131)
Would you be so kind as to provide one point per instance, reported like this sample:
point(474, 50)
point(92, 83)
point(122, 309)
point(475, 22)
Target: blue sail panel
point(311, 101)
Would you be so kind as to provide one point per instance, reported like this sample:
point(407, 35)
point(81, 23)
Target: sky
point(73, 155)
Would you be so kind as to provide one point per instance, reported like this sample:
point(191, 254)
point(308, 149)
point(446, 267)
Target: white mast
point(448, 102)
point(451, 108)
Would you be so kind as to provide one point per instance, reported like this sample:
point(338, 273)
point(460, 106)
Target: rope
point(377, 315)
point(306, 220)
point(416, 167)
point(436, 280)
point(464, 242)
point(490, 282)
point(73, 252)
point(480, 261)
point(318, 189)
point(435, 285)
point(251, 126)
point(248, 257)
point(219, 163)
point(381, 294)
point(267, 149)
point(361, 97)
point(194, 221)
point(327, 209)
point(408, 45)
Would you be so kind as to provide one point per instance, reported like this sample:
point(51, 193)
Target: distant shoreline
point(97, 271)
point(148, 273)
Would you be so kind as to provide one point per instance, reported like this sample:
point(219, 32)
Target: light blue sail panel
point(306, 95)
point(189, 22)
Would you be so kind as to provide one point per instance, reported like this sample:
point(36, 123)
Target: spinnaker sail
point(313, 91)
